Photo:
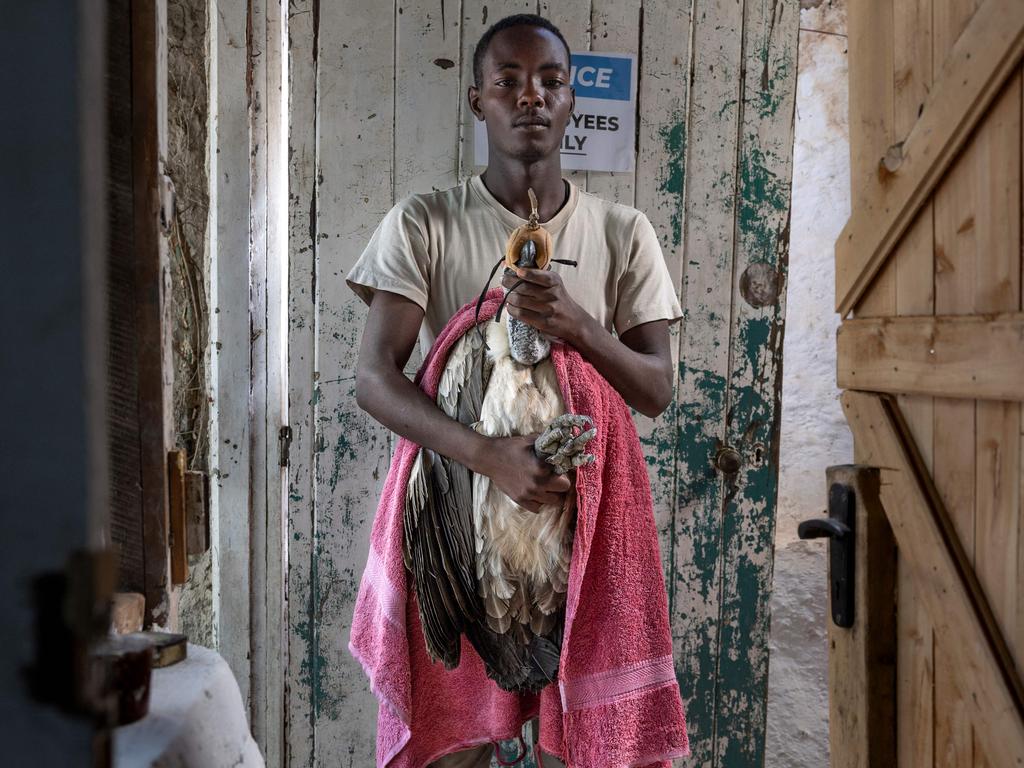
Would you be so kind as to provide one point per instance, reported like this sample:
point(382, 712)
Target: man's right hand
point(383, 391)
point(514, 467)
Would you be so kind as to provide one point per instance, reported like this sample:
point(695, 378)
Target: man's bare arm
point(383, 391)
point(638, 364)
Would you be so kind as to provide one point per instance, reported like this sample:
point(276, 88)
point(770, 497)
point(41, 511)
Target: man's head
point(521, 68)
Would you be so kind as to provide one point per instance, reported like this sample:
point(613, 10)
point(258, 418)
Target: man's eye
point(555, 83)
point(505, 83)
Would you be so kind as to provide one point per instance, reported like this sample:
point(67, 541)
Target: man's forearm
point(402, 407)
point(639, 378)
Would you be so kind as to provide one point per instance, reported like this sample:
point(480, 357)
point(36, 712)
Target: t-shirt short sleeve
point(396, 259)
point(645, 290)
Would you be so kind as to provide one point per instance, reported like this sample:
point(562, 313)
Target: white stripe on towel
point(392, 605)
point(612, 685)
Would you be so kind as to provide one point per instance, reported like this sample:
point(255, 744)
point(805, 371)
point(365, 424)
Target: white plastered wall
point(814, 432)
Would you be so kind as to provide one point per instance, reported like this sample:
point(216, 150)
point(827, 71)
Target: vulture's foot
point(559, 447)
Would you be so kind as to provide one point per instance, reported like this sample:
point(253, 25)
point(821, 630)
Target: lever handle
point(838, 528)
point(822, 527)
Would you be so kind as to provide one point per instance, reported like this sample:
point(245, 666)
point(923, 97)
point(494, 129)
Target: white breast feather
point(522, 557)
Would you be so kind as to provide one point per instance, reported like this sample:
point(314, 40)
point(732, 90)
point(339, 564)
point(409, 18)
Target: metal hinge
point(284, 438)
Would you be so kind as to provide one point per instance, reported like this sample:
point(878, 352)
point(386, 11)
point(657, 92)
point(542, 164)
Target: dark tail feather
point(515, 667)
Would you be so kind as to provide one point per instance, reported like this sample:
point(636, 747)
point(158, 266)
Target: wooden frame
point(149, 146)
point(973, 74)
point(970, 356)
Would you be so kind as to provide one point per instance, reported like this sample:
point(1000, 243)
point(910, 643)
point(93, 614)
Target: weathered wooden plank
point(951, 592)
point(303, 393)
point(997, 506)
point(428, 96)
point(913, 267)
point(871, 91)
point(663, 88)
point(862, 671)
point(973, 356)
point(972, 76)
point(770, 33)
point(259, 652)
point(152, 302)
point(953, 460)
point(708, 247)
point(273, 563)
point(871, 122)
point(355, 121)
point(229, 334)
point(1019, 624)
point(953, 468)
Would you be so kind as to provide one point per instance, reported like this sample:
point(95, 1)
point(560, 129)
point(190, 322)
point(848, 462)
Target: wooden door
point(931, 355)
point(377, 111)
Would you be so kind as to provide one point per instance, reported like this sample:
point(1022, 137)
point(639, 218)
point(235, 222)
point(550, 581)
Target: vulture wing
point(439, 539)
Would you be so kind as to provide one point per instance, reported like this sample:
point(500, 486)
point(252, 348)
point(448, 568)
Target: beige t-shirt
point(438, 248)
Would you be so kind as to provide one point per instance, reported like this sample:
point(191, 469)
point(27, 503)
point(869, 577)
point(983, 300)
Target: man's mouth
point(531, 122)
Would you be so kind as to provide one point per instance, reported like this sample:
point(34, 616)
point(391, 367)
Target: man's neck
point(509, 179)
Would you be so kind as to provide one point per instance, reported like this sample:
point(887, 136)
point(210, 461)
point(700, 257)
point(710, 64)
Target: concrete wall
point(814, 432)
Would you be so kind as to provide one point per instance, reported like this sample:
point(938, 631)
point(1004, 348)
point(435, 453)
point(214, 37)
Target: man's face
point(524, 93)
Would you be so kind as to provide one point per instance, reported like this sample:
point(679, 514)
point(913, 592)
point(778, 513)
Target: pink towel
point(617, 702)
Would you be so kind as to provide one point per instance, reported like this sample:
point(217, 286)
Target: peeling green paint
point(718, 564)
point(761, 194)
point(674, 138)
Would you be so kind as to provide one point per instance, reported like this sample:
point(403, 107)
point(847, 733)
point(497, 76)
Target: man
point(432, 253)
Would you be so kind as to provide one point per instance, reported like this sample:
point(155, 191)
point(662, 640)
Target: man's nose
point(531, 97)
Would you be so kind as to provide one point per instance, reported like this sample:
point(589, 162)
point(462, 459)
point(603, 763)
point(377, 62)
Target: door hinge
point(284, 438)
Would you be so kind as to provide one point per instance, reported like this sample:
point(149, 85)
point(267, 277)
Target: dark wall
point(51, 156)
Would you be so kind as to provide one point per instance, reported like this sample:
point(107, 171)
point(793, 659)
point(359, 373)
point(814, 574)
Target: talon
point(560, 448)
point(582, 459)
point(574, 445)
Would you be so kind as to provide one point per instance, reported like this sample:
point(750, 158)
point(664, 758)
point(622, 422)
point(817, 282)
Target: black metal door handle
point(838, 528)
point(822, 527)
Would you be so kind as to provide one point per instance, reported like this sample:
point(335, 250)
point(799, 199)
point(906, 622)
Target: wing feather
point(438, 538)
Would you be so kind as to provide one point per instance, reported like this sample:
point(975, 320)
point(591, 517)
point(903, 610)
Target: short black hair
point(518, 20)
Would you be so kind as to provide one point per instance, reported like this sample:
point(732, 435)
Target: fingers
point(544, 277)
point(539, 307)
point(527, 290)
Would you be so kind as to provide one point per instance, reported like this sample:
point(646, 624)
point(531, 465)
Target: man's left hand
point(542, 302)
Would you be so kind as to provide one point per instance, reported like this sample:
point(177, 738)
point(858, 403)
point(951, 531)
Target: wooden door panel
point(360, 143)
point(935, 230)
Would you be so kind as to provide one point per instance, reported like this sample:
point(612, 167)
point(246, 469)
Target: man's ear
point(473, 97)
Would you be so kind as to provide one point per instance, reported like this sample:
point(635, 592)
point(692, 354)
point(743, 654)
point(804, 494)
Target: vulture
point(481, 564)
